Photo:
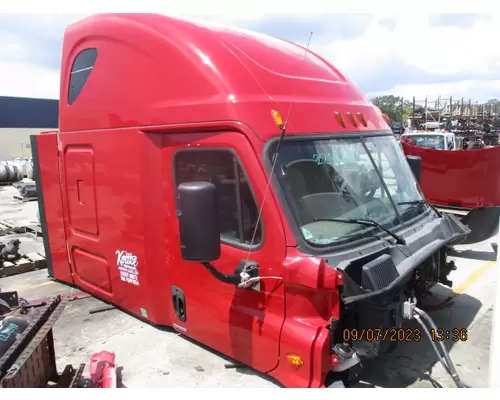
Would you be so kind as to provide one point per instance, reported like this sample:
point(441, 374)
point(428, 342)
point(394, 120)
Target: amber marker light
point(362, 119)
point(353, 120)
point(295, 360)
point(278, 119)
point(340, 118)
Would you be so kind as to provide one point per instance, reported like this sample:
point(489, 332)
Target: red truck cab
point(194, 180)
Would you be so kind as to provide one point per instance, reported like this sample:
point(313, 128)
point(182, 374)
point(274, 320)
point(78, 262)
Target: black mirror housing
point(416, 166)
point(197, 213)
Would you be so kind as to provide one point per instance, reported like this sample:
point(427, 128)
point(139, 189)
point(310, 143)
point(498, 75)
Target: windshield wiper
point(412, 202)
point(417, 202)
point(365, 222)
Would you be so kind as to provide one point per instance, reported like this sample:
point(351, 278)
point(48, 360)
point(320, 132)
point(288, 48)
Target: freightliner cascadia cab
point(237, 188)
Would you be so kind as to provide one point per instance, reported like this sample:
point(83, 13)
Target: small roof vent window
point(82, 67)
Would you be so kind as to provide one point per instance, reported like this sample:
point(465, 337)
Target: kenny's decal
point(127, 265)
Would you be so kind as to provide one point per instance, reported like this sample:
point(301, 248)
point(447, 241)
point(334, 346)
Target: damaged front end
point(354, 201)
point(379, 285)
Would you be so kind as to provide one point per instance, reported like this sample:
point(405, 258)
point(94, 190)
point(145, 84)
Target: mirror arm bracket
point(235, 279)
point(244, 270)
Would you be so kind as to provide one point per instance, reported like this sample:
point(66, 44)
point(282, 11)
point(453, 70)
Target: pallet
point(25, 199)
point(6, 228)
point(27, 263)
point(36, 230)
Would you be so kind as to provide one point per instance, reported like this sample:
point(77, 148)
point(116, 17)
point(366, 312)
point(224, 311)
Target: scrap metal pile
point(27, 355)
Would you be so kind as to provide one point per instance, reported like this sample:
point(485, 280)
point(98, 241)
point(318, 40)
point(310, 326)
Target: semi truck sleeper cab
point(179, 189)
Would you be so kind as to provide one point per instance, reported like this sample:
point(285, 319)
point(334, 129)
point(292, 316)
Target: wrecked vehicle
point(239, 189)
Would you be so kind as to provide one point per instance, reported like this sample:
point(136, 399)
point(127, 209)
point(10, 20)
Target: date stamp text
point(404, 334)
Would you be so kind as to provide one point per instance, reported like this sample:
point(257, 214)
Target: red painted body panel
point(312, 298)
point(154, 70)
point(49, 172)
point(159, 85)
point(463, 178)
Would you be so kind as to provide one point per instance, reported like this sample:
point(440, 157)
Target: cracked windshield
point(347, 179)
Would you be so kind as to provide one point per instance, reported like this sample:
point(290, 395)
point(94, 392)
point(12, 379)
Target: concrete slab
point(151, 356)
point(19, 213)
point(12, 209)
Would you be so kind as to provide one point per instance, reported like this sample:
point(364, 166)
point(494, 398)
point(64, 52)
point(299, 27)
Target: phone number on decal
point(392, 335)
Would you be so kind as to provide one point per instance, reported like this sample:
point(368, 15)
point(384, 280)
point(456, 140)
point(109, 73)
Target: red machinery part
point(103, 370)
point(108, 377)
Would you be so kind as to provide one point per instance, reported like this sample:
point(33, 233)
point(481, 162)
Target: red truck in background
point(239, 189)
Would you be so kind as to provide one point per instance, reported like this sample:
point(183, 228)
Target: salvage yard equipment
point(243, 192)
point(13, 263)
point(27, 351)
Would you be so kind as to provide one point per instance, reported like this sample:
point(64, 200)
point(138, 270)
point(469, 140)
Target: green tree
point(396, 108)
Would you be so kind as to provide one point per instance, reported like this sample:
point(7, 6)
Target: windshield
point(429, 141)
point(362, 178)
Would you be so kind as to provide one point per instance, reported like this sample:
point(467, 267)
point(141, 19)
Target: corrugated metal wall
point(20, 112)
point(20, 118)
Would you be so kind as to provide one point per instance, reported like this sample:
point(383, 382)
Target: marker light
point(278, 120)
point(340, 119)
point(295, 360)
point(353, 120)
point(362, 119)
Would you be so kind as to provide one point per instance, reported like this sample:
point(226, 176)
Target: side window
point(238, 211)
point(80, 71)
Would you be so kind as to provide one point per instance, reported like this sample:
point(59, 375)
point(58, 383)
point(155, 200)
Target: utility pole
point(413, 122)
point(426, 112)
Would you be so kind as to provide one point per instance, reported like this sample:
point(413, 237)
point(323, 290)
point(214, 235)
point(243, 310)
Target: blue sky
point(405, 55)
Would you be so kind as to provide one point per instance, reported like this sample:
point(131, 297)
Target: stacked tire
point(10, 172)
point(16, 170)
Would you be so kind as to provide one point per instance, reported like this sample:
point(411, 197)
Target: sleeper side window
point(237, 208)
point(80, 72)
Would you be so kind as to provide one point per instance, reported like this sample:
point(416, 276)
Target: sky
point(402, 54)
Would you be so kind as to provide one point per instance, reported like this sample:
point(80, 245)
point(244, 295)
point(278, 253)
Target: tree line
point(398, 109)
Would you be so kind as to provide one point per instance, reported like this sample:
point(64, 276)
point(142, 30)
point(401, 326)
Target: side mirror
point(198, 222)
point(416, 166)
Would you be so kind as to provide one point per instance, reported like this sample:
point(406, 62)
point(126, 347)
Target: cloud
point(325, 28)
point(457, 20)
point(414, 43)
point(408, 54)
point(408, 51)
point(20, 79)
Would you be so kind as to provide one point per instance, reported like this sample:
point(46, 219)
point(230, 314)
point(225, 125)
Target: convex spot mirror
point(197, 213)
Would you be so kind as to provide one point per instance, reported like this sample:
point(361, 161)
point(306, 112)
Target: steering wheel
point(369, 187)
point(370, 183)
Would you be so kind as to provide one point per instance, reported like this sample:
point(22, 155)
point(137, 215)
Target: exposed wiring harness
point(411, 311)
point(246, 282)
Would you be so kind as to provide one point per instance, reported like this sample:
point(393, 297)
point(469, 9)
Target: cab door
point(241, 323)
